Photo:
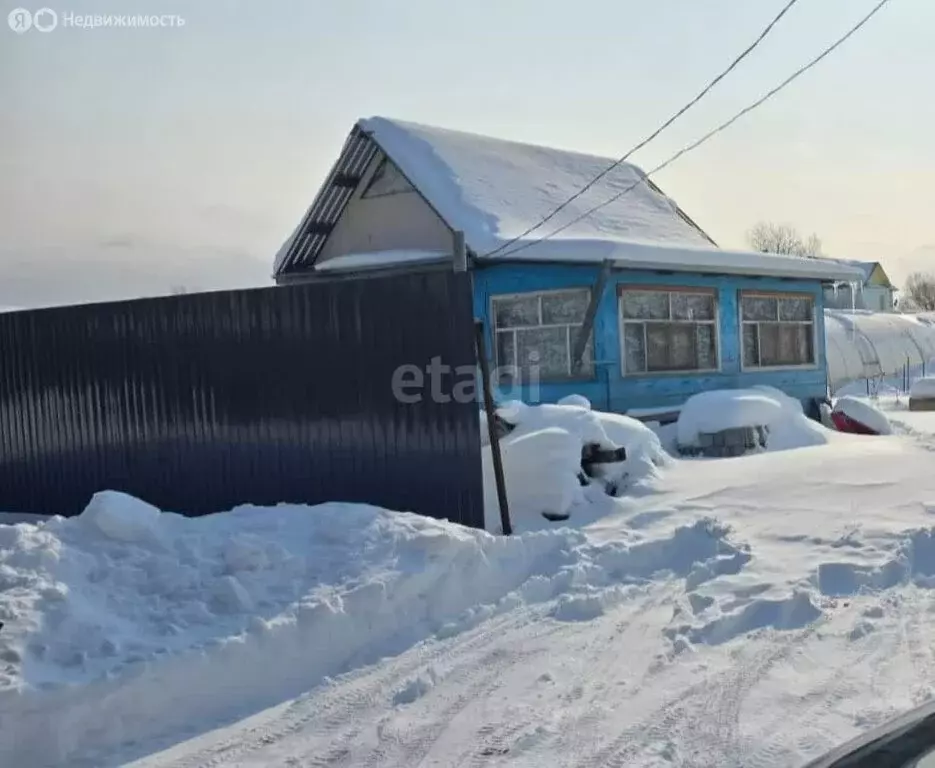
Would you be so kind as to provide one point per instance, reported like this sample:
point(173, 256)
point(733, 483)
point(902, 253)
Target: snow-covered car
point(907, 741)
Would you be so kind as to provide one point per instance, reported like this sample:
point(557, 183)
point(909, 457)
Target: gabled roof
point(493, 190)
point(867, 269)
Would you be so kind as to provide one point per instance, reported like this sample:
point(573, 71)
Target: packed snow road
point(750, 612)
point(806, 623)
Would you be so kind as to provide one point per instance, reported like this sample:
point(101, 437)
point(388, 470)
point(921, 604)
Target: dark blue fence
point(199, 402)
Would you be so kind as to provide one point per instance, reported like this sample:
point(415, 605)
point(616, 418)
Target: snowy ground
point(740, 612)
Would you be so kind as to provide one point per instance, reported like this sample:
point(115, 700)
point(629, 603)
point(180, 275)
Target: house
point(631, 304)
point(874, 291)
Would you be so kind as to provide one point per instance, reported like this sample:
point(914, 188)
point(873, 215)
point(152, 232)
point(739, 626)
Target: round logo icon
point(45, 20)
point(20, 20)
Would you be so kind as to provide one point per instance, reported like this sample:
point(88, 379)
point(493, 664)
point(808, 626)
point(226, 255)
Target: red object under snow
point(845, 423)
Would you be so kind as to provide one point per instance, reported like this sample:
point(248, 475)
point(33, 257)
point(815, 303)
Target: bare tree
point(784, 239)
point(920, 290)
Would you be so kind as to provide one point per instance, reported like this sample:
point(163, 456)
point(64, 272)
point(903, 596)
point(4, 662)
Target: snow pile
point(542, 460)
point(126, 623)
point(122, 517)
point(654, 637)
point(123, 642)
point(787, 427)
point(863, 412)
point(923, 388)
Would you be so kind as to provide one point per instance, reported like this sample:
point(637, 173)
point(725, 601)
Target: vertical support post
point(489, 408)
point(459, 251)
point(584, 333)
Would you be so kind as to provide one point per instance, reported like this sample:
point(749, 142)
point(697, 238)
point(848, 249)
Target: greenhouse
point(874, 345)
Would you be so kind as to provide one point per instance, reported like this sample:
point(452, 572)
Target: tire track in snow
point(722, 693)
point(473, 679)
point(441, 740)
point(785, 742)
point(410, 746)
point(612, 663)
point(328, 712)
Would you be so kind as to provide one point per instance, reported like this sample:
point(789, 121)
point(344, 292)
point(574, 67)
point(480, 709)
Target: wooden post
point(459, 251)
point(584, 333)
point(490, 409)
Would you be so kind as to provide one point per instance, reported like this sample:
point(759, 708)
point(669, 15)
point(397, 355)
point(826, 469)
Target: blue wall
point(608, 389)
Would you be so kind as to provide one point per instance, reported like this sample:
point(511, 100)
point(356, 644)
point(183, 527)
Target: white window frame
point(584, 374)
point(669, 290)
point(744, 367)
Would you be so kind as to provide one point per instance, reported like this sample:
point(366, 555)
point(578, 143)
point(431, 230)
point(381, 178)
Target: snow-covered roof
point(493, 190)
point(866, 267)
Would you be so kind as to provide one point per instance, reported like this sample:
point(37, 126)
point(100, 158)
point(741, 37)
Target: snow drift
point(923, 388)
point(124, 634)
point(864, 413)
point(126, 623)
point(542, 457)
point(787, 427)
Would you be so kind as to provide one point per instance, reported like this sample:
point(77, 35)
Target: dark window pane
point(387, 181)
point(795, 345)
point(797, 308)
point(646, 305)
point(565, 307)
point(657, 343)
point(751, 348)
point(786, 344)
point(760, 308)
point(706, 340)
point(692, 306)
point(506, 353)
point(682, 355)
point(806, 344)
point(769, 344)
point(545, 348)
point(634, 348)
point(518, 312)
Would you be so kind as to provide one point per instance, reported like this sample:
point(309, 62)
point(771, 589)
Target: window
point(386, 180)
point(540, 329)
point(668, 329)
point(778, 330)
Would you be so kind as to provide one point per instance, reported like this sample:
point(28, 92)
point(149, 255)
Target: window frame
point(378, 173)
point(744, 368)
point(623, 288)
point(583, 375)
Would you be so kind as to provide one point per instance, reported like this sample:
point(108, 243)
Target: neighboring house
point(874, 291)
point(672, 313)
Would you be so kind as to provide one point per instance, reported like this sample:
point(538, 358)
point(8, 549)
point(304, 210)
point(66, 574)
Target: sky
point(137, 161)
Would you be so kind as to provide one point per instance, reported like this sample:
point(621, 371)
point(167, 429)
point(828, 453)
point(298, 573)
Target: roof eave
point(825, 276)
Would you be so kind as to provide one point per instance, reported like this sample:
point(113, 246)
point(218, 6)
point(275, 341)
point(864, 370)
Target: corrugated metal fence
point(197, 403)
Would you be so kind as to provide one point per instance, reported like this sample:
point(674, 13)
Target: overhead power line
point(704, 92)
point(694, 145)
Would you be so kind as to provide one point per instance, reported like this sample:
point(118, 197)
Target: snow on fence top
point(493, 190)
point(865, 345)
